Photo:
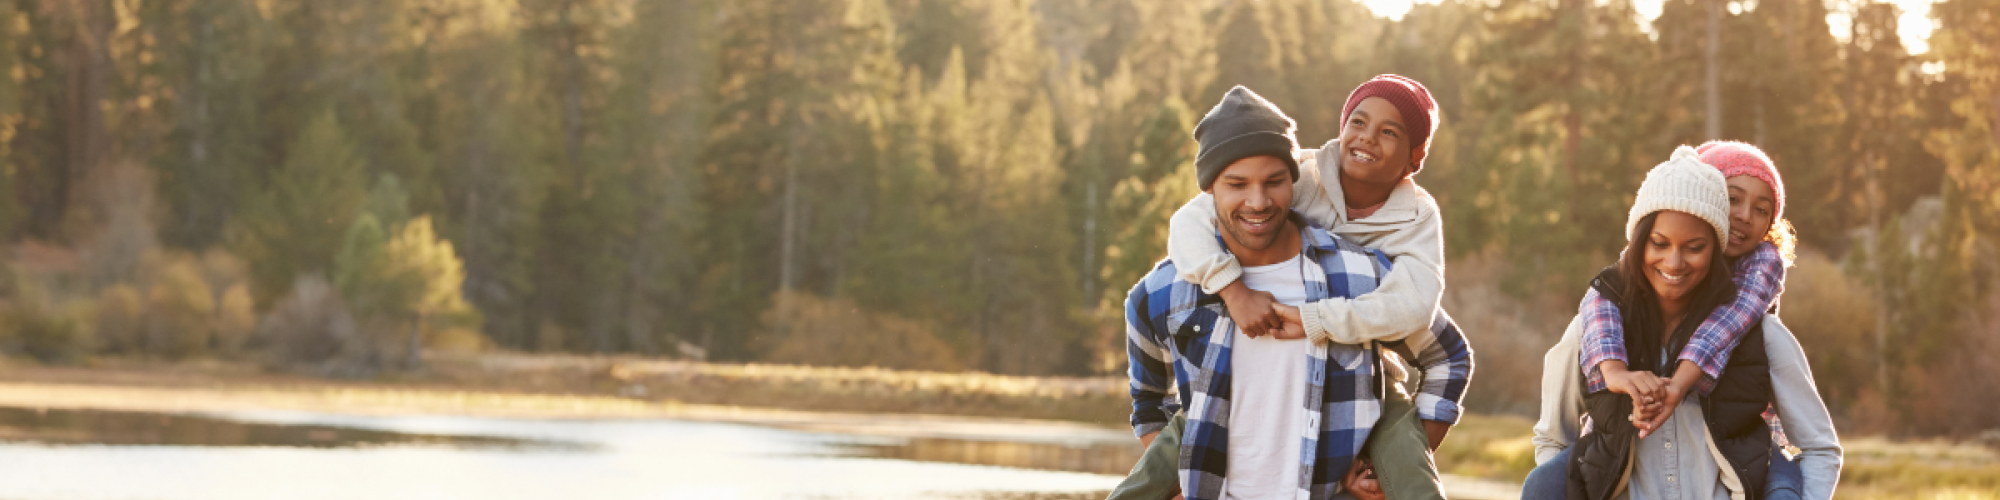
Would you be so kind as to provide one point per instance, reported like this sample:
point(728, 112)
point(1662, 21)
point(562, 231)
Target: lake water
point(89, 455)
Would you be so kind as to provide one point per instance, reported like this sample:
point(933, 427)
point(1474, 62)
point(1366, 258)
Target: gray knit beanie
point(1241, 126)
point(1683, 184)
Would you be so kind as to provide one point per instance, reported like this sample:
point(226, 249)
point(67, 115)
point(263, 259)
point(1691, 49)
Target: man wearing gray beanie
point(1224, 415)
point(1360, 186)
point(1241, 126)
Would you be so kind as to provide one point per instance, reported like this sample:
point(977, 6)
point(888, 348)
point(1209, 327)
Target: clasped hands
point(1258, 313)
point(1654, 397)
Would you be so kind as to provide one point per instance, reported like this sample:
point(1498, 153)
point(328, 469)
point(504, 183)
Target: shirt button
point(1197, 328)
point(1670, 445)
point(1670, 478)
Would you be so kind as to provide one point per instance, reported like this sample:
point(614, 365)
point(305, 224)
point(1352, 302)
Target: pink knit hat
point(1410, 98)
point(1736, 158)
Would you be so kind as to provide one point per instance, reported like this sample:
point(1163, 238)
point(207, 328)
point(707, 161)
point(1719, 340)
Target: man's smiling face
point(1253, 196)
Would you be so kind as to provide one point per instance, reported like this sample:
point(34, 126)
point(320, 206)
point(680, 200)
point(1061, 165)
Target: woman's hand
point(1676, 390)
point(1660, 413)
point(1648, 392)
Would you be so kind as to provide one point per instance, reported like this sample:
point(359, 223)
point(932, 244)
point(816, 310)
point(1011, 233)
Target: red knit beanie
point(1736, 158)
point(1410, 98)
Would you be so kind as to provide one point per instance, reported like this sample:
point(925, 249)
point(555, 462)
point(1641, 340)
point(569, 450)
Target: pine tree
point(208, 55)
point(293, 226)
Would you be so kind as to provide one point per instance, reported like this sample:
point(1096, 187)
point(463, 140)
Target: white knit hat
point(1683, 184)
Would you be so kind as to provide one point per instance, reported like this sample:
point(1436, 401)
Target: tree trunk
point(89, 67)
point(414, 357)
point(572, 92)
point(1090, 245)
point(1714, 63)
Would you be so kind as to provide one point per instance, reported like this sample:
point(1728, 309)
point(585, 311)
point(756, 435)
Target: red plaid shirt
point(1759, 276)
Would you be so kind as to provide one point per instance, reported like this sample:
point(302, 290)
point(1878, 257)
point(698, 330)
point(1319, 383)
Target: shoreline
point(366, 401)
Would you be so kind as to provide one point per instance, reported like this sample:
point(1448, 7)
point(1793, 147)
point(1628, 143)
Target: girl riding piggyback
point(1760, 247)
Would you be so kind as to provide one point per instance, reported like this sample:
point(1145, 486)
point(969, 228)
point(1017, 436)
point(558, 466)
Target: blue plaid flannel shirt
point(1759, 277)
point(1179, 339)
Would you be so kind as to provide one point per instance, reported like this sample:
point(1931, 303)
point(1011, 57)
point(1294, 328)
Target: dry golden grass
point(1498, 447)
point(1101, 400)
point(1878, 468)
point(1489, 446)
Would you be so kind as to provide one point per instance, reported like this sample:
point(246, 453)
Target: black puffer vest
point(1733, 411)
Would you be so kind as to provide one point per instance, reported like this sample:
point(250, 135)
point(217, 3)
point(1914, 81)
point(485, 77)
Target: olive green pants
point(1398, 445)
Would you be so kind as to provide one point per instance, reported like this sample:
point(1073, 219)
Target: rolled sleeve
point(1603, 336)
point(1445, 357)
point(1759, 278)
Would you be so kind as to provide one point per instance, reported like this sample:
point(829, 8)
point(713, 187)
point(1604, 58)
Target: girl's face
point(1678, 254)
point(1750, 214)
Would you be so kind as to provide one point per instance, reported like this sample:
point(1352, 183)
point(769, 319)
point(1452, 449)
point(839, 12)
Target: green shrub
point(180, 310)
point(121, 319)
point(45, 333)
point(809, 330)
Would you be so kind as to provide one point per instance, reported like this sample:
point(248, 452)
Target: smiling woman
point(1670, 278)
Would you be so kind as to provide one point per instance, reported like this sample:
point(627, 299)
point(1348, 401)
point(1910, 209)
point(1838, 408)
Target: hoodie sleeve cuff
point(1226, 272)
point(1314, 323)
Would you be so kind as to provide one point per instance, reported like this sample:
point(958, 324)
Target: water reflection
point(68, 455)
point(121, 428)
point(1092, 457)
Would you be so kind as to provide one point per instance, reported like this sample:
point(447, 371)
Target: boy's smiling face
point(1375, 146)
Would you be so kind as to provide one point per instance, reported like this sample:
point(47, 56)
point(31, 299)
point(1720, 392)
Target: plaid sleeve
point(1759, 277)
point(1151, 375)
point(1603, 336)
point(1446, 360)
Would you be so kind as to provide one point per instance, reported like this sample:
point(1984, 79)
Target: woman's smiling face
point(1678, 254)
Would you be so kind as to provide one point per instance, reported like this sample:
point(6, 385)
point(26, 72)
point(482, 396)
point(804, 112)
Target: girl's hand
point(1643, 387)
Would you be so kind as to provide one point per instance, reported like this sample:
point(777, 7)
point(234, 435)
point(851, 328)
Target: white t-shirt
point(1266, 416)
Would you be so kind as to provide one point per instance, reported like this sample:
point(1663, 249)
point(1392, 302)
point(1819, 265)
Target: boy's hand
point(1251, 309)
point(1361, 481)
point(1294, 328)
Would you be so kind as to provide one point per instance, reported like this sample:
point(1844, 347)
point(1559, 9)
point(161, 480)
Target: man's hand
point(1361, 481)
point(1251, 310)
point(1294, 328)
point(1146, 441)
